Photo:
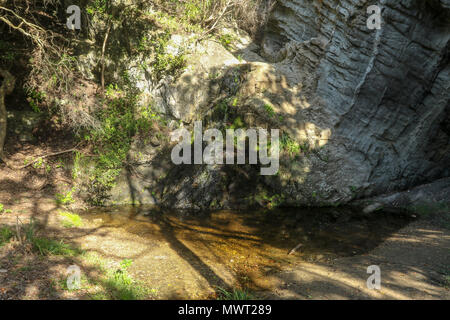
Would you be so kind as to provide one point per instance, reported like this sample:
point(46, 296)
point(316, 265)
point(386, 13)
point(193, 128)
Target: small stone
point(373, 207)
point(3, 271)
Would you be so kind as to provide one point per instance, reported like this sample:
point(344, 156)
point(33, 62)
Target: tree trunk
point(6, 88)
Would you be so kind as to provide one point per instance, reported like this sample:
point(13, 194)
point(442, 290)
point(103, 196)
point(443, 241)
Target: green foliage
point(447, 281)
point(97, 7)
point(3, 210)
point(30, 230)
point(77, 167)
point(237, 123)
point(71, 219)
point(226, 40)
point(35, 99)
point(38, 163)
point(112, 140)
point(272, 201)
point(193, 15)
point(269, 110)
point(234, 294)
point(47, 247)
point(116, 283)
point(65, 199)
point(5, 235)
point(439, 213)
point(289, 145)
point(166, 63)
point(121, 286)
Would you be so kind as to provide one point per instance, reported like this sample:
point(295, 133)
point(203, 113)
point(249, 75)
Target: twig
point(293, 250)
point(19, 237)
point(225, 9)
point(8, 164)
point(103, 57)
point(49, 155)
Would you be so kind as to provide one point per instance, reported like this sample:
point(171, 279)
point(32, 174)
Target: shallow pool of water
point(250, 244)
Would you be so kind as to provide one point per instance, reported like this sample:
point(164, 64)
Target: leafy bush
point(64, 199)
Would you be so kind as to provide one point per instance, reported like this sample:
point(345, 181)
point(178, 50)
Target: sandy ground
point(413, 263)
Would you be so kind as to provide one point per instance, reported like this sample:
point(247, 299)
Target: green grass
point(270, 111)
point(226, 40)
point(45, 247)
point(71, 219)
point(235, 294)
point(5, 235)
point(41, 245)
point(119, 285)
point(289, 145)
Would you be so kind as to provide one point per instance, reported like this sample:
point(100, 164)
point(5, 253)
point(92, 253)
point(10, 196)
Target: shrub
point(64, 199)
point(71, 219)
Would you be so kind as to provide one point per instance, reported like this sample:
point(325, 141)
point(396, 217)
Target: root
point(9, 165)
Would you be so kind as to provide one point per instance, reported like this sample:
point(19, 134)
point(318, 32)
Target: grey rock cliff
point(384, 93)
point(373, 106)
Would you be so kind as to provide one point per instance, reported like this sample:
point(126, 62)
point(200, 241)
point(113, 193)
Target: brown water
point(238, 248)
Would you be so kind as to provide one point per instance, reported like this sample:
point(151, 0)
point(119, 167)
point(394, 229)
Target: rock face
point(384, 94)
point(371, 107)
